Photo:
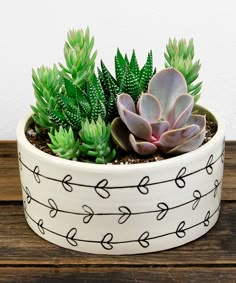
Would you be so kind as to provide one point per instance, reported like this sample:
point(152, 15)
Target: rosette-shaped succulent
point(162, 118)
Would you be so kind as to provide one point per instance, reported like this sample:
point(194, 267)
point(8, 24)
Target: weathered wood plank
point(10, 182)
point(117, 275)
point(19, 245)
point(9, 173)
point(229, 181)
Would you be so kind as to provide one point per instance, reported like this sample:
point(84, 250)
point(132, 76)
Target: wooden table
point(25, 257)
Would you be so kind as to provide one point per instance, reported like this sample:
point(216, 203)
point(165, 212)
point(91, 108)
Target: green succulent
point(47, 83)
point(180, 55)
point(78, 55)
point(65, 98)
point(129, 78)
point(64, 144)
point(76, 104)
point(96, 141)
point(76, 107)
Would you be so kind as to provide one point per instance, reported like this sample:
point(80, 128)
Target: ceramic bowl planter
point(121, 209)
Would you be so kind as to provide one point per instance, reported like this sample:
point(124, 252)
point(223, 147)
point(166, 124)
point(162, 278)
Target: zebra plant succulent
point(162, 120)
point(129, 78)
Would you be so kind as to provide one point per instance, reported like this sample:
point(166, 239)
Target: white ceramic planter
point(121, 209)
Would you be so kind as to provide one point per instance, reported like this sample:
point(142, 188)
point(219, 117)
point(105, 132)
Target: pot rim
point(21, 139)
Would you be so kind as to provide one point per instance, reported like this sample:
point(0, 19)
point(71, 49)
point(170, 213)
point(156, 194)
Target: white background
point(33, 32)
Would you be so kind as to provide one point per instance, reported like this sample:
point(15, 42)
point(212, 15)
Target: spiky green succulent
point(46, 83)
point(80, 60)
point(96, 141)
point(180, 55)
point(64, 144)
point(129, 78)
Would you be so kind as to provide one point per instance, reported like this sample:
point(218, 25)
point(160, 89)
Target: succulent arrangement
point(94, 116)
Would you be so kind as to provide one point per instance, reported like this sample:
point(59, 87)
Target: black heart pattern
point(179, 180)
point(66, 183)
point(70, 237)
point(126, 213)
point(36, 173)
point(197, 196)
point(107, 241)
point(89, 214)
point(29, 197)
point(143, 240)
point(40, 226)
point(54, 209)
point(206, 221)
point(209, 165)
point(20, 163)
point(101, 190)
point(143, 185)
point(180, 232)
point(222, 157)
point(216, 183)
point(163, 207)
point(223, 152)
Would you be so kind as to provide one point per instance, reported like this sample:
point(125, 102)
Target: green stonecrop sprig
point(180, 55)
point(80, 60)
point(46, 83)
point(64, 144)
point(96, 141)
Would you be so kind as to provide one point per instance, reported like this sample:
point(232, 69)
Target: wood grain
point(9, 173)
point(116, 275)
point(10, 183)
point(20, 245)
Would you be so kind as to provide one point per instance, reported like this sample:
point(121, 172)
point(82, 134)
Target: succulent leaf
point(196, 140)
point(146, 73)
point(120, 66)
point(134, 65)
point(130, 84)
point(159, 127)
point(166, 86)
point(142, 147)
point(181, 111)
point(125, 101)
point(137, 125)
point(173, 138)
point(120, 134)
point(149, 107)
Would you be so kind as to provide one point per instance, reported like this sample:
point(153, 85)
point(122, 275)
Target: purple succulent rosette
point(162, 118)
